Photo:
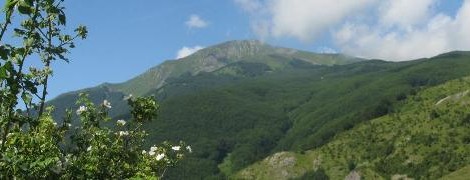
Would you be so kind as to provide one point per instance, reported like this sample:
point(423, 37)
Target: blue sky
point(128, 37)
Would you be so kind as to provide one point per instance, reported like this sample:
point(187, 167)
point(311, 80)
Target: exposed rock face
point(317, 163)
point(353, 175)
point(400, 177)
point(278, 166)
point(281, 160)
point(453, 98)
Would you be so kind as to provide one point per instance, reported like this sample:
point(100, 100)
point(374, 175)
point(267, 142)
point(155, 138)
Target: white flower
point(189, 149)
point(89, 148)
point(123, 133)
point(127, 97)
point(160, 157)
point(152, 150)
point(121, 122)
point(144, 152)
point(58, 167)
point(69, 125)
point(54, 123)
point(107, 104)
point(66, 159)
point(176, 148)
point(81, 109)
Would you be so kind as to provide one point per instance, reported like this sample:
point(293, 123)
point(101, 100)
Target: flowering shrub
point(33, 145)
point(97, 151)
point(87, 150)
point(32, 154)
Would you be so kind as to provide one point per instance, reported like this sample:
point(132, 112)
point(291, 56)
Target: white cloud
point(461, 33)
point(326, 50)
point(195, 21)
point(439, 33)
point(405, 13)
point(301, 19)
point(371, 42)
point(305, 19)
point(186, 51)
point(387, 29)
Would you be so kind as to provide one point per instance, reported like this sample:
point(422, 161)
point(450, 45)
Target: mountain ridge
point(226, 50)
point(206, 60)
point(263, 104)
point(217, 56)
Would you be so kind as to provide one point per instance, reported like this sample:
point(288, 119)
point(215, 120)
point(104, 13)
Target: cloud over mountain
point(186, 51)
point(387, 29)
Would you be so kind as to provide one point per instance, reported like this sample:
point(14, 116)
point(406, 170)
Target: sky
point(126, 38)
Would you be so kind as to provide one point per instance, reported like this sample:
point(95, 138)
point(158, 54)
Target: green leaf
point(62, 18)
point(3, 72)
point(25, 7)
point(31, 86)
point(19, 32)
point(4, 52)
point(8, 67)
point(9, 7)
point(29, 42)
point(29, 2)
point(82, 31)
point(27, 98)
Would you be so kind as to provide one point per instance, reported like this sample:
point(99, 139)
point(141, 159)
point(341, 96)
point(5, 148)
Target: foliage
point(407, 143)
point(33, 144)
point(318, 174)
point(118, 152)
point(243, 112)
point(143, 109)
point(40, 30)
point(92, 151)
point(293, 109)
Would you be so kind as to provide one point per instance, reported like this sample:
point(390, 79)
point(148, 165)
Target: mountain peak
point(235, 49)
point(250, 42)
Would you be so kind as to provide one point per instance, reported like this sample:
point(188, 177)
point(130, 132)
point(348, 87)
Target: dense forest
point(425, 138)
point(247, 110)
point(241, 109)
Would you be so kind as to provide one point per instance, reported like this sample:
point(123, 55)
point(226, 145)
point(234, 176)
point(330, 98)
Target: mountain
point(218, 56)
point(206, 60)
point(239, 102)
point(233, 121)
point(427, 137)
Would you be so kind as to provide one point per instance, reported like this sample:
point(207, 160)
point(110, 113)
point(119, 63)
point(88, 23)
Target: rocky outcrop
point(353, 175)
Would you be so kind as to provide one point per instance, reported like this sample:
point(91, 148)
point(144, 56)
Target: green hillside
point(233, 120)
point(264, 100)
point(207, 60)
point(218, 56)
point(426, 138)
point(461, 174)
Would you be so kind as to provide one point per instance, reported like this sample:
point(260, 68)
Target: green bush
point(33, 144)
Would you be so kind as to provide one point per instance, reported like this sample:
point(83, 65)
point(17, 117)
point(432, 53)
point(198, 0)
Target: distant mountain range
point(240, 102)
